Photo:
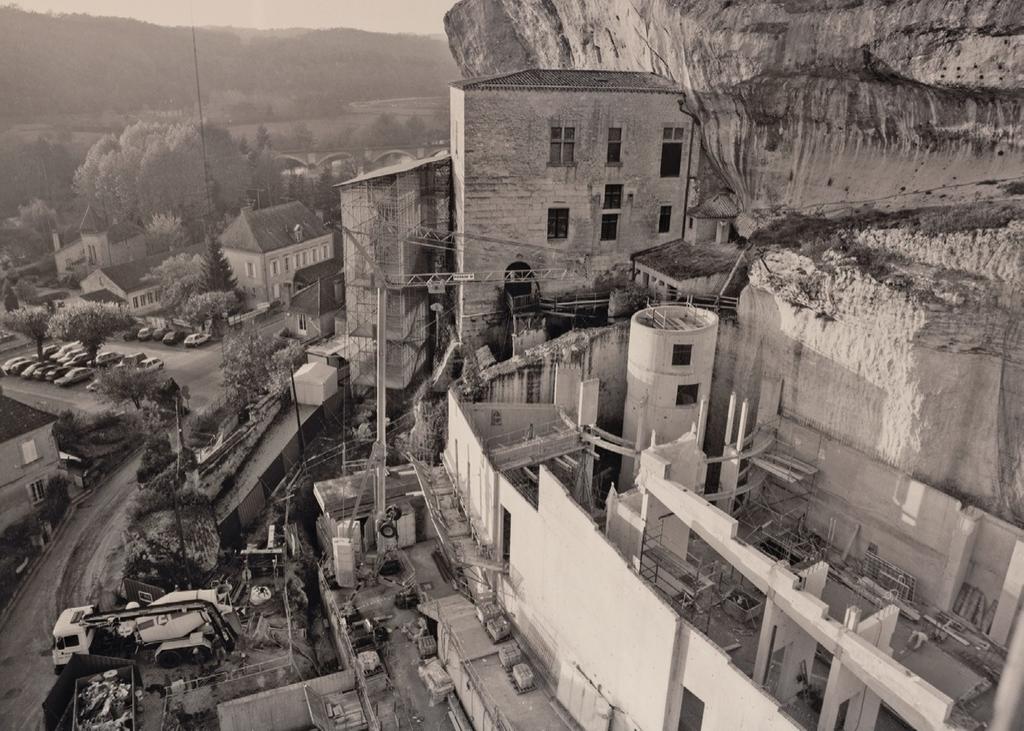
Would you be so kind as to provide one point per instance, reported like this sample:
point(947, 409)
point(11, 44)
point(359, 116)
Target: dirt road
point(69, 575)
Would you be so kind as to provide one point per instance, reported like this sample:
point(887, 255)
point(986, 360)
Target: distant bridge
point(365, 158)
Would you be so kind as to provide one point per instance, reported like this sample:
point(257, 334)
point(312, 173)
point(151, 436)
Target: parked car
point(132, 359)
point(151, 364)
point(50, 350)
point(65, 358)
point(196, 339)
point(75, 375)
point(108, 358)
point(11, 363)
point(173, 337)
point(32, 368)
point(158, 333)
point(80, 359)
point(130, 335)
point(68, 347)
point(57, 372)
point(40, 374)
point(93, 386)
point(145, 333)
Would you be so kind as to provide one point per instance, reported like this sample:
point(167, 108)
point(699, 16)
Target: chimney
point(56, 241)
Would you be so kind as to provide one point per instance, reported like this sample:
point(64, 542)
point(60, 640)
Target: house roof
point(720, 205)
point(680, 259)
point(316, 299)
point(91, 222)
point(402, 167)
point(101, 295)
point(328, 268)
point(130, 275)
point(122, 231)
point(268, 229)
point(17, 418)
point(574, 80)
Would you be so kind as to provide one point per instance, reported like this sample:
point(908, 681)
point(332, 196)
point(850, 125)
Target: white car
point(12, 362)
point(93, 386)
point(196, 339)
point(108, 358)
point(151, 364)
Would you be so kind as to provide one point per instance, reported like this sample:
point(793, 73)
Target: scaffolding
point(385, 208)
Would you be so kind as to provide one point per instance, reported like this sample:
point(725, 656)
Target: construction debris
point(438, 682)
point(105, 702)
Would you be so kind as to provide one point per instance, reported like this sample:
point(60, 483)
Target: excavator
point(183, 625)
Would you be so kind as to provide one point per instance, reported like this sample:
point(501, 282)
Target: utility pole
point(380, 445)
point(177, 488)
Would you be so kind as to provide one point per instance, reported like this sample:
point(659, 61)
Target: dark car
point(40, 374)
point(57, 372)
point(130, 335)
point(158, 333)
point(173, 337)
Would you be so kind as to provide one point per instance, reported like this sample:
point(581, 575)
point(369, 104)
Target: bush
point(69, 429)
point(57, 500)
point(157, 455)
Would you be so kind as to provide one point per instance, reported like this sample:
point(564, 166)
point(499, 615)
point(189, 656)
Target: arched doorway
point(519, 280)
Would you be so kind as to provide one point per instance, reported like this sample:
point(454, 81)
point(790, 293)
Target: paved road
point(67, 576)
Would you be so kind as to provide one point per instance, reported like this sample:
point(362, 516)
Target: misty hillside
point(74, 64)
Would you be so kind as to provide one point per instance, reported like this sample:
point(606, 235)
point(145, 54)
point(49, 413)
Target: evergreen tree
point(219, 277)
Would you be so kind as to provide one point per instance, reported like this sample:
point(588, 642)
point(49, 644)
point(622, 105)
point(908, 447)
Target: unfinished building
point(679, 603)
point(386, 214)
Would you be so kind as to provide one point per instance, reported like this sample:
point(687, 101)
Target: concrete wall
point(595, 353)
point(15, 497)
point(504, 186)
point(281, 709)
point(471, 470)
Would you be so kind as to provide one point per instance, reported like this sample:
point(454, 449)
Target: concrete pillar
point(729, 477)
point(958, 558)
point(675, 536)
point(1009, 597)
point(862, 704)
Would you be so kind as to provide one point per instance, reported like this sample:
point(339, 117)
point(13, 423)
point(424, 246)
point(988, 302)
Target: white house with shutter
point(29, 455)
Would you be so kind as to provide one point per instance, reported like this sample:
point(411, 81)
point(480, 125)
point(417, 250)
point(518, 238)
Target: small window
point(665, 219)
point(613, 196)
point(277, 291)
point(690, 222)
point(37, 491)
point(29, 452)
point(563, 146)
point(67, 642)
point(303, 258)
point(250, 270)
point(681, 353)
point(324, 251)
point(273, 267)
point(615, 145)
point(671, 152)
point(609, 226)
point(686, 395)
point(287, 266)
point(302, 323)
point(296, 261)
point(312, 255)
point(558, 223)
point(135, 302)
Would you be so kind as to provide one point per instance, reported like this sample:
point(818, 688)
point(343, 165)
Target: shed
point(315, 383)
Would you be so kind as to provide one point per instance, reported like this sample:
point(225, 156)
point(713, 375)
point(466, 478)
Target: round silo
point(671, 357)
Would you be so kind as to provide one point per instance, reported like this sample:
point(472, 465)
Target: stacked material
point(498, 628)
point(439, 683)
point(510, 655)
point(105, 703)
point(522, 676)
point(426, 646)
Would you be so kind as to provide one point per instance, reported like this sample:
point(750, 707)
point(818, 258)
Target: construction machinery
point(181, 624)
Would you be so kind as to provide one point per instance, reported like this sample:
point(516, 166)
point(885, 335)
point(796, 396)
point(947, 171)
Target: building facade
point(265, 248)
point(583, 168)
point(131, 282)
point(98, 245)
point(28, 452)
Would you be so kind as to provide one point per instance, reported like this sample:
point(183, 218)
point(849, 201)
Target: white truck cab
point(69, 636)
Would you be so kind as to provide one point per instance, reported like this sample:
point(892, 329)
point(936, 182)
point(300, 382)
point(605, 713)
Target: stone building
point(582, 167)
point(98, 245)
point(29, 455)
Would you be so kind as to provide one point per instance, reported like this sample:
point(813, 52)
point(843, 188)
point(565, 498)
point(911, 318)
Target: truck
point(181, 625)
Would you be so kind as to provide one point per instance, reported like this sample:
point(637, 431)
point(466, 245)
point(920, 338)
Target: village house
point(266, 246)
point(131, 283)
point(28, 452)
point(312, 311)
point(582, 167)
point(98, 245)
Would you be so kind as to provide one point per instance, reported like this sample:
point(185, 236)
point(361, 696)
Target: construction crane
point(435, 282)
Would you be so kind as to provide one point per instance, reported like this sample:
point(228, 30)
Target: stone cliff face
point(811, 104)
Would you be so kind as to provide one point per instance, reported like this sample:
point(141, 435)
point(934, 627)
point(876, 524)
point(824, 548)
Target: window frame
point(609, 220)
point(561, 145)
point(682, 354)
point(274, 268)
point(688, 386)
point(614, 144)
point(665, 219)
point(612, 195)
point(250, 270)
point(32, 448)
point(37, 491)
point(671, 139)
point(557, 227)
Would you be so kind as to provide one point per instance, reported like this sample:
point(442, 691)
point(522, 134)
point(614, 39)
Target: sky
point(394, 16)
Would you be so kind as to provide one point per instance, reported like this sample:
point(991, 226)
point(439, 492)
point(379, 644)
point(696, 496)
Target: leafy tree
point(38, 216)
point(249, 369)
point(209, 306)
point(219, 277)
point(157, 456)
point(90, 322)
point(25, 291)
point(164, 232)
point(284, 362)
point(181, 277)
point(243, 145)
point(132, 384)
point(32, 322)
point(262, 138)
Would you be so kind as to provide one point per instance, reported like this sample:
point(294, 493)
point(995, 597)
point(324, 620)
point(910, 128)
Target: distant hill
point(80, 64)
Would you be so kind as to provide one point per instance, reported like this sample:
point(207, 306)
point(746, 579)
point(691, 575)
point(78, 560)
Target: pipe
point(730, 418)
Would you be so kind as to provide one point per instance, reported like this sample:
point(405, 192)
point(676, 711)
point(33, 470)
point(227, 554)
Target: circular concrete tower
point(671, 357)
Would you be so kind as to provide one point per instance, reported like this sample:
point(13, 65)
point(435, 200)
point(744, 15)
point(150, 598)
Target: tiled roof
point(101, 295)
point(682, 260)
point(17, 418)
point(268, 229)
point(721, 205)
point(402, 167)
point(316, 299)
point(314, 272)
point(130, 275)
point(573, 80)
point(91, 222)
